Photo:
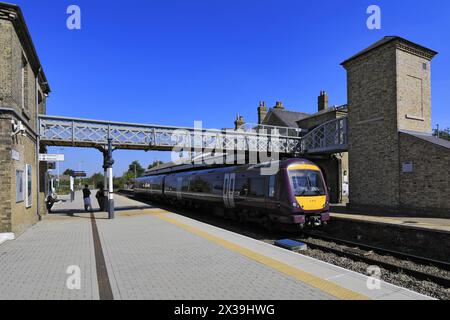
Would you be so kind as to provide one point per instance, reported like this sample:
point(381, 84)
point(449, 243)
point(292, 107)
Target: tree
point(443, 134)
point(97, 179)
point(136, 169)
point(128, 177)
point(155, 164)
point(69, 172)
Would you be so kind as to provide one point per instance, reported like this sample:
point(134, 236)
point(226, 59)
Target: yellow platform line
point(305, 277)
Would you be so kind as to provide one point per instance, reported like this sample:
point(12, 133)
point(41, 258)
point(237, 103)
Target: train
point(294, 197)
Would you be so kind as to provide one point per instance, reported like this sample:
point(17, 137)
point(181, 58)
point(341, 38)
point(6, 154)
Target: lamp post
point(110, 163)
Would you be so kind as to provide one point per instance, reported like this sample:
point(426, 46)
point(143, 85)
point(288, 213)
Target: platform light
point(18, 128)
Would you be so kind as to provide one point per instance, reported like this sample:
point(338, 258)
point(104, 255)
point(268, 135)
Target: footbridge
point(328, 138)
point(108, 136)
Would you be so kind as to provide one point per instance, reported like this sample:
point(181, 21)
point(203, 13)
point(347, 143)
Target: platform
point(437, 224)
point(150, 253)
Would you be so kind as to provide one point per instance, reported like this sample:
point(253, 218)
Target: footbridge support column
point(108, 163)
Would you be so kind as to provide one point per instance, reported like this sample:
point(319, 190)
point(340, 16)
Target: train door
point(232, 184)
point(272, 202)
point(229, 183)
point(179, 186)
point(226, 180)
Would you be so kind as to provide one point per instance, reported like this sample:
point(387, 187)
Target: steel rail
point(421, 275)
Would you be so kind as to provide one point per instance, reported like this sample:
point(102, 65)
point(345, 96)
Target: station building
point(394, 165)
point(23, 92)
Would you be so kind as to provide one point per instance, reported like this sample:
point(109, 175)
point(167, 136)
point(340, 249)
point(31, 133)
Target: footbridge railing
point(72, 132)
point(330, 137)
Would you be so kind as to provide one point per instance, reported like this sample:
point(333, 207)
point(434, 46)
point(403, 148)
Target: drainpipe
point(38, 142)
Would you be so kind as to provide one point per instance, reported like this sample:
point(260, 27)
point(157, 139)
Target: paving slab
point(150, 253)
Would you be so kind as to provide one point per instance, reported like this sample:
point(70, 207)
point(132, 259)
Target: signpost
point(72, 189)
point(51, 157)
point(51, 166)
point(79, 174)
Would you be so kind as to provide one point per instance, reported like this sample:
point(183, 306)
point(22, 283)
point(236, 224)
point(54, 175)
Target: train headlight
point(295, 205)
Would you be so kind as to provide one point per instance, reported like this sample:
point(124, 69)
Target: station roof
point(289, 118)
point(386, 40)
point(13, 13)
point(429, 138)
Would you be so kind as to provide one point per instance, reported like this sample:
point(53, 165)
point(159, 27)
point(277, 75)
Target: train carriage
point(294, 197)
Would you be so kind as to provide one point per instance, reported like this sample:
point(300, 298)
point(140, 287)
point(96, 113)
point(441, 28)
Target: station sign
point(51, 157)
point(15, 155)
point(408, 167)
point(79, 174)
point(51, 165)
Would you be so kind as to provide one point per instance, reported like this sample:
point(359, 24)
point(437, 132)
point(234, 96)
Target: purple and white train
point(293, 198)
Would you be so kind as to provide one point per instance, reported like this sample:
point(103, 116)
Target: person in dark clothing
point(87, 198)
point(50, 202)
point(101, 197)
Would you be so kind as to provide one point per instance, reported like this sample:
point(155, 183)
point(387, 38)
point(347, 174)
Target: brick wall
point(16, 216)
point(413, 92)
point(5, 176)
point(426, 190)
point(373, 138)
point(23, 216)
point(5, 58)
point(320, 118)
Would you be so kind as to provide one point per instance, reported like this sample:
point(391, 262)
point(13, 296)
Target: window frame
point(20, 183)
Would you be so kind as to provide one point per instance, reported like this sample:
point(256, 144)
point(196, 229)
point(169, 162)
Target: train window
point(185, 185)
point(201, 185)
point(170, 185)
point(241, 187)
point(272, 186)
point(307, 183)
point(257, 187)
point(218, 185)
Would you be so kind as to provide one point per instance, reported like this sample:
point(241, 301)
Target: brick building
point(396, 165)
point(23, 93)
point(393, 164)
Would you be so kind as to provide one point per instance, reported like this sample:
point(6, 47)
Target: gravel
point(396, 278)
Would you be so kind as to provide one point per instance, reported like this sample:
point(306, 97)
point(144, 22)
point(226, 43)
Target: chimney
point(323, 101)
point(239, 122)
point(279, 105)
point(262, 112)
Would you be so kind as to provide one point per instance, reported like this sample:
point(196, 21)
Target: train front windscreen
point(309, 189)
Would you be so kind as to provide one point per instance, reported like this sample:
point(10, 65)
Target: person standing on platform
point(87, 198)
point(101, 197)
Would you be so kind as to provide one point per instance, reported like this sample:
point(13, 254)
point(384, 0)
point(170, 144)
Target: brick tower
point(389, 91)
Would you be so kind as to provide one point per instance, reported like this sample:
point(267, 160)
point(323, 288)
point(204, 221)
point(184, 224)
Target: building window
point(24, 83)
point(19, 186)
point(29, 185)
point(41, 102)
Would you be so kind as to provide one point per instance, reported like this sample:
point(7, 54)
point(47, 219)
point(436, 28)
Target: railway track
point(372, 255)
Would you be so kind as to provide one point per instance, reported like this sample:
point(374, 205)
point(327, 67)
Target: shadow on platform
point(74, 212)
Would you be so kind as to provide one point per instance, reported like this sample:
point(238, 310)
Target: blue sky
point(173, 62)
